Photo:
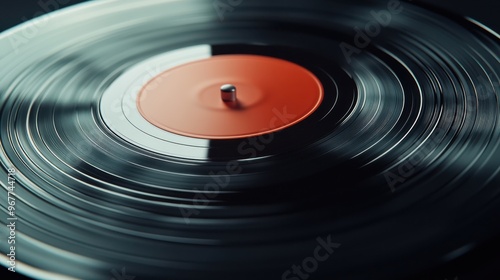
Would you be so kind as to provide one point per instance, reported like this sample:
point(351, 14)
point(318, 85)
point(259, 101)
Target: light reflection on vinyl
point(399, 164)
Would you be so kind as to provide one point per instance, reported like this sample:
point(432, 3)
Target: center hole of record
point(209, 97)
point(230, 97)
point(228, 93)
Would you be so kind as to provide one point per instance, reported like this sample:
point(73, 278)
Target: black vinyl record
point(396, 173)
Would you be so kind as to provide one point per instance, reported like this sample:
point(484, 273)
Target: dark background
point(483, 263)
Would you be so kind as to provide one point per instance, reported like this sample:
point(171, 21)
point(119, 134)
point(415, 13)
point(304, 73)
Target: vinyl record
point(362, 143)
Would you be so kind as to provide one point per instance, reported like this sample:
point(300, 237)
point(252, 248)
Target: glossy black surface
point(400, 164)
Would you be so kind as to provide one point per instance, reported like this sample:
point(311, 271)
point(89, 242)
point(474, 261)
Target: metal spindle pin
point(228, 93)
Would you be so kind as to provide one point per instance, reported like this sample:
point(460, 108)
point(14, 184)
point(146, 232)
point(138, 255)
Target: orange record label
point(230, 96)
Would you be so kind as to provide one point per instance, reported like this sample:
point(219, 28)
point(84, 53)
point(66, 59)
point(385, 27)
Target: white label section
point(120, 113)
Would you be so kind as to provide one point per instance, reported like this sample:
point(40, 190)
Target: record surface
point(396, 171)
